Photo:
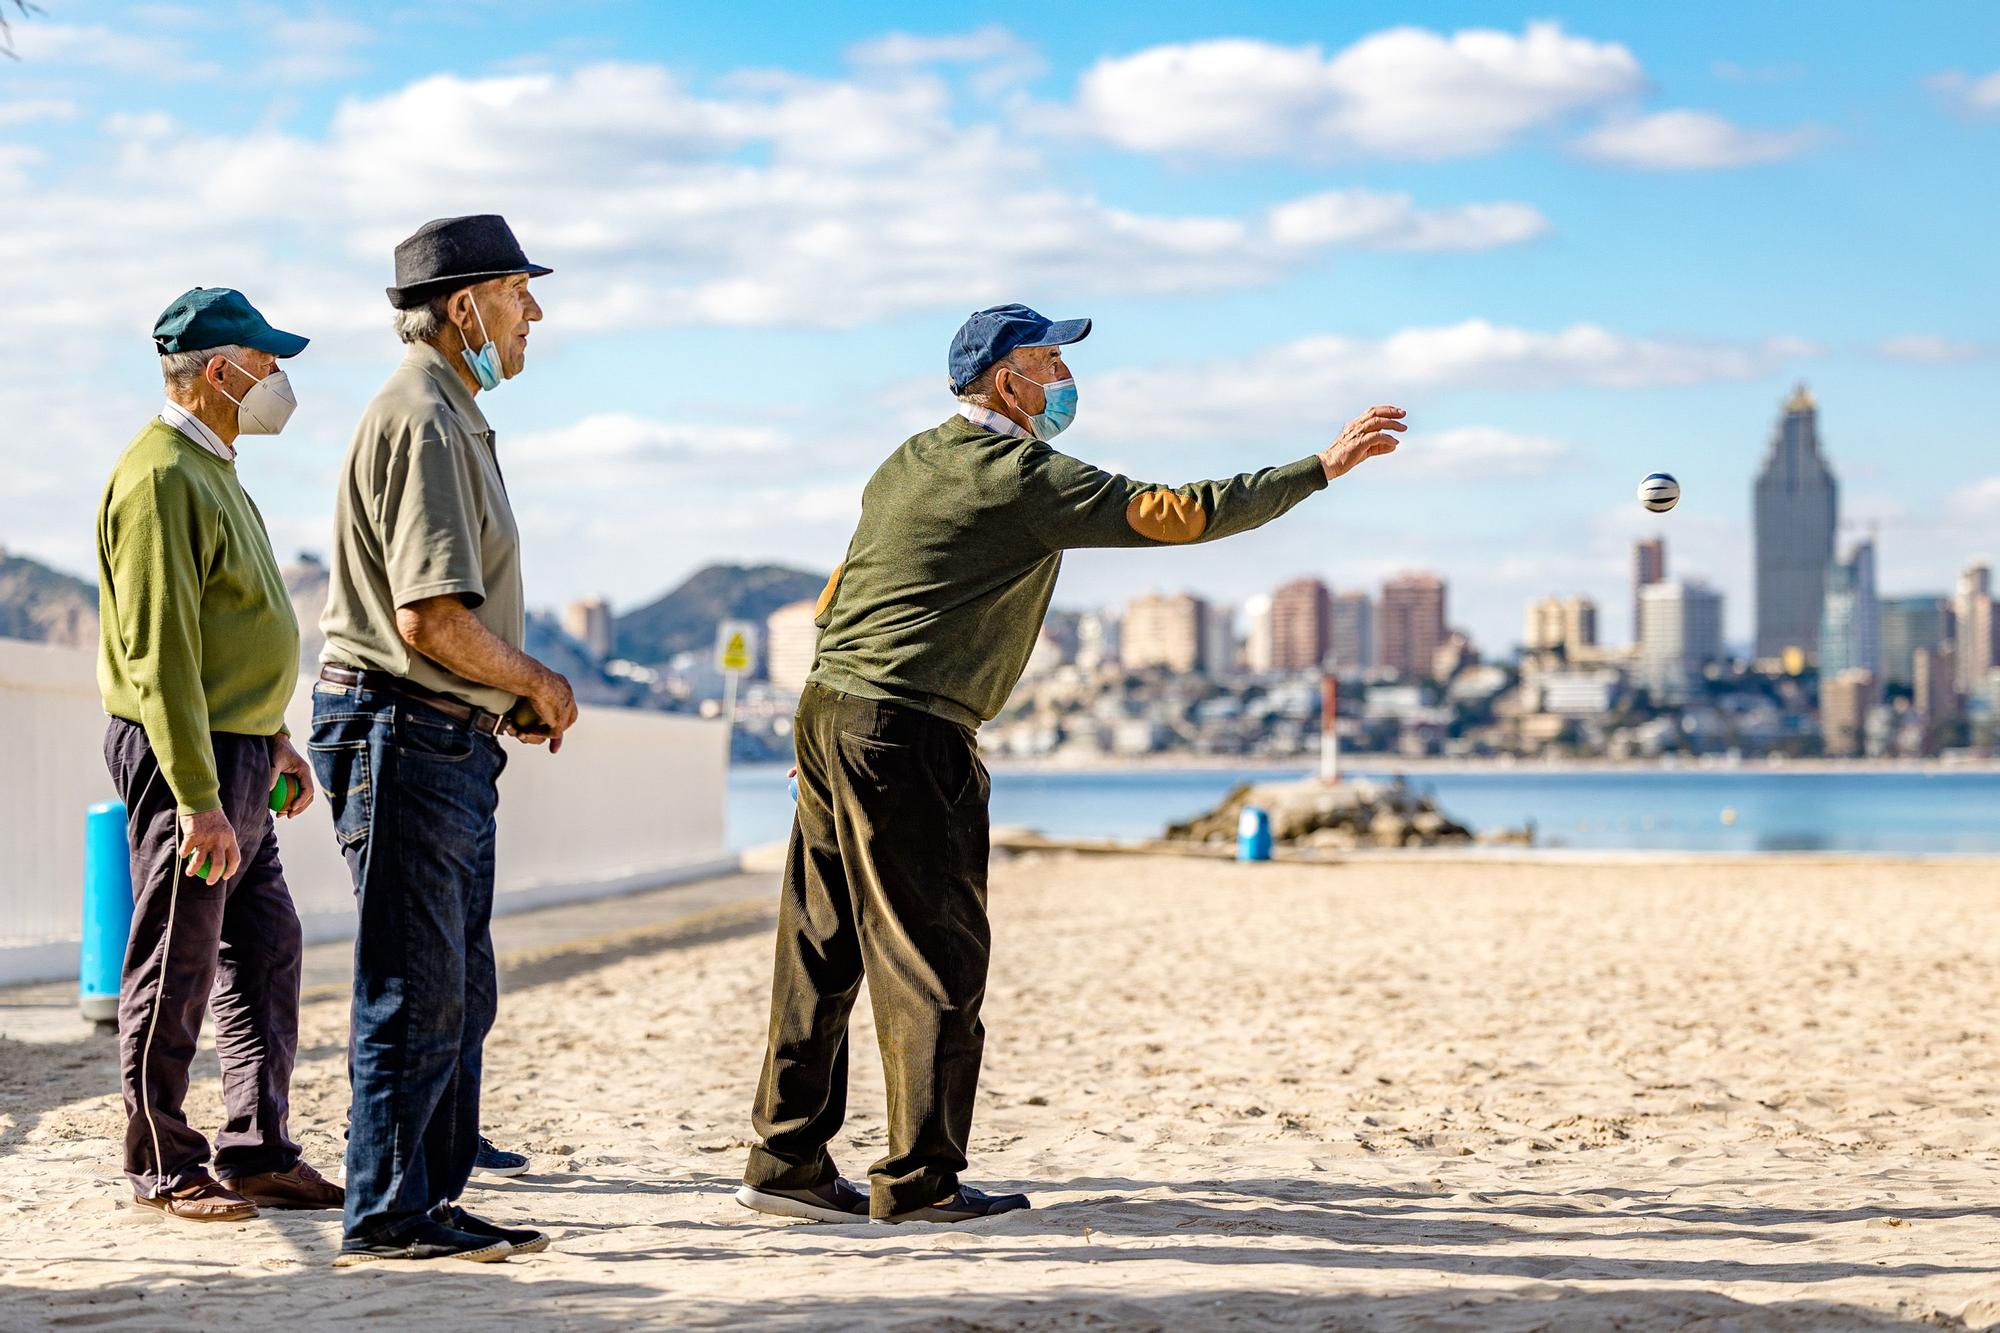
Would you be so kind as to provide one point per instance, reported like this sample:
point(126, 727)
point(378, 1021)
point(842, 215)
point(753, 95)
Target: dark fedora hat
point(451, 253)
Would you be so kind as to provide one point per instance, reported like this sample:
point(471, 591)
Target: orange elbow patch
point(1166, 516)
point(826, 593)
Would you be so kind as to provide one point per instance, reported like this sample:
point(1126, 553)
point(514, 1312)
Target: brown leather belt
point(383, 682)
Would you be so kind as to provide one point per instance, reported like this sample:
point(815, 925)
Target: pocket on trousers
point(878, 764)
point(346, 777)
point(441, 742)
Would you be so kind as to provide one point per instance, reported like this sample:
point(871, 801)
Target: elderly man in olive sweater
point(199, 653)
point(924, 630)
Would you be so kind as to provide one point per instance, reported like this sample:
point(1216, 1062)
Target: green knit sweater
point(962, 530)
point(197, 631)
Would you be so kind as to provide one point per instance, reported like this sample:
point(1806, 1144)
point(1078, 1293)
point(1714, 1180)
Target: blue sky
point(1578, 244)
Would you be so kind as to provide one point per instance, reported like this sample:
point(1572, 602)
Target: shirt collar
point(993, 421)
point(435, 364)
point(192, 426)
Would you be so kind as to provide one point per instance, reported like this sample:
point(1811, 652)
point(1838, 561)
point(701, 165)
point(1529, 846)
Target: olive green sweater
point(962, 531)
point(197, 631)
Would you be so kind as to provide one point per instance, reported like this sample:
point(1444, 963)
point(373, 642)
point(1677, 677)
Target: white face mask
point(267, 407)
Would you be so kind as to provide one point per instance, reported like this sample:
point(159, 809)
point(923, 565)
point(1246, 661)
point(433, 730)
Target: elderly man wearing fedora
point(422, 673)
point(924, 630)
point(199, 654)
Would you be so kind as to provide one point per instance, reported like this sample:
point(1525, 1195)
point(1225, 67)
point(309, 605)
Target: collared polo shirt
point(422, 511)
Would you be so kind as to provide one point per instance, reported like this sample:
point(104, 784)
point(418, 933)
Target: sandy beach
point(1422, 1094)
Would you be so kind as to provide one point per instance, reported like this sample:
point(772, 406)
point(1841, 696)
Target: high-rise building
point(1412, 623)
point(588, 621)
point(790, 642)
point(1351, 637)
point(1257, 635)
point(1844, 701)
point(1096, 640)
point(1910, 623)
point(1797, 505)
point(1561, 624)
point(1163, 630)
point(1649, 566)
point(1850, 625)
point(1680, 632)
point(1301, 625)
point(1218, 641)
point(1934, 687)
point(1975, 626)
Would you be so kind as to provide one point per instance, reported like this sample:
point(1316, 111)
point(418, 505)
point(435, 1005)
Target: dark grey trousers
point(233, 945)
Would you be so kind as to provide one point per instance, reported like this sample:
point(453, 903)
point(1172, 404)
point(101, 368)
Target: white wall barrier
point(634, 800)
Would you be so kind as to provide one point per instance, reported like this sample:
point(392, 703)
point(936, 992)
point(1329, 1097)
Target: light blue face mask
point(1058, 409)
point(484, 363)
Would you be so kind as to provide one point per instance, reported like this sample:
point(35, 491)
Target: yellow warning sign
point(735, 646)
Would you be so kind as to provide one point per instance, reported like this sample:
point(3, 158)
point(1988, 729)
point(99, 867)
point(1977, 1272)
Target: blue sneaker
point(494, 1161)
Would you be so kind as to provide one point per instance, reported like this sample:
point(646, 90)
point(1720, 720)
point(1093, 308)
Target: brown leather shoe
point(300, 1187)
point(202, 1201)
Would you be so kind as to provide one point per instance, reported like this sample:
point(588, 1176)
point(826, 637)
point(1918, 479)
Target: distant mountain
point(45, 604)
point(685, 619)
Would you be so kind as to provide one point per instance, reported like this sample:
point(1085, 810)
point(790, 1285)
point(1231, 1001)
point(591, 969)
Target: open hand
point(1367, 435)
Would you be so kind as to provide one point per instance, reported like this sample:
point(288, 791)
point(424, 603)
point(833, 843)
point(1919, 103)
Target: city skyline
point(1651, 230)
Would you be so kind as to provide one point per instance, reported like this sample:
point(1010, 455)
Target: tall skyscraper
point(1351, 639)
point(1844, 700)
point(1163, 630)
point(1561, 624)
point(1301, 628)
point(1797, 505)
point(1649, 566)
point(1218, 640)
point(1680, 632)
point(1850, 625)
point(1935, 694)
point(588, 621)
point(1910, 623)
point(1412, 624)
point(1972, 610)
point(790, 642)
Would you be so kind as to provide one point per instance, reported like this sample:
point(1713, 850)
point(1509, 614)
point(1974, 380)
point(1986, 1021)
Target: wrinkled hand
point(554, 705)
point(286, 759)
point(1365, 437)
point(207, 837)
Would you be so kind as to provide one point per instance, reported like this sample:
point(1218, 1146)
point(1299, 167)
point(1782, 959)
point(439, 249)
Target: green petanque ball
point(281, 795)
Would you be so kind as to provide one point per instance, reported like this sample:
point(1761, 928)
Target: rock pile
point(1347, 815)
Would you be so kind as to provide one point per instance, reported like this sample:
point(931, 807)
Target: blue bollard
point(107, 910)
point(1253, 834)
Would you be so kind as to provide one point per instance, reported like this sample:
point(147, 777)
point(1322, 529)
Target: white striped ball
point(1659, 492)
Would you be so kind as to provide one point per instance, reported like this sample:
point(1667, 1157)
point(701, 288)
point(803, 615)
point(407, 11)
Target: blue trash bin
point(107, 910)
point(1253, 834)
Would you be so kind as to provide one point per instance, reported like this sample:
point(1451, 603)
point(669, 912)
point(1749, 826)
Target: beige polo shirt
point(421, 511)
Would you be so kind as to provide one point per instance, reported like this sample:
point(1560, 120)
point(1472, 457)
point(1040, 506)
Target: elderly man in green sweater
point(199, 654)
point(924, 630)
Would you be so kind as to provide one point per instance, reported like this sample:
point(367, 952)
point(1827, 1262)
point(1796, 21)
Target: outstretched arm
point(1071, 504)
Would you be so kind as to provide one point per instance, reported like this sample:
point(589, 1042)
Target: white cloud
point(1473, 454)
point(156, 57)
point(310, 48)
point(781, 201)
point(1979, 502)
point(1402, 92)
point(1929, 348)
point(28, 111)
point(1967, 94)
point(997, 58)
point(1307, 383)
point(1683, 140)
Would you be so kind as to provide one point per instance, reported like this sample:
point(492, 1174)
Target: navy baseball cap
point(992, 333)
point(219, 317)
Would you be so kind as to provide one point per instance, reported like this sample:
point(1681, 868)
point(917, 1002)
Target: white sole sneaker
point(520, 1170)
point(783, 1205)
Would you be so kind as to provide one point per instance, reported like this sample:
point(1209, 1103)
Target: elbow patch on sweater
point(1166, 516)
point(826, 593)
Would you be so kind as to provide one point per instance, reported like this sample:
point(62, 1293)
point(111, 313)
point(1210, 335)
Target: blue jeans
point(413, 794)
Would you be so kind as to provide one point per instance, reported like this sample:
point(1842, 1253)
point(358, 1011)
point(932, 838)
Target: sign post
point(735, 653)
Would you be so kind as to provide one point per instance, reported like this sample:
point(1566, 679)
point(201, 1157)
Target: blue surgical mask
point(1058, 409)
point(484, 363)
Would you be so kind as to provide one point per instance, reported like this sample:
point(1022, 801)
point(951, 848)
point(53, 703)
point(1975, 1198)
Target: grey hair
point(181, 369)
point(423, 324)
point(979, 392)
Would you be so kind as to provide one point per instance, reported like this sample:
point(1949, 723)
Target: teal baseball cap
point(219, 317)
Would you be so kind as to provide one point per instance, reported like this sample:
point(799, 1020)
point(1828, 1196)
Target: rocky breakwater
point(1341, 816)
